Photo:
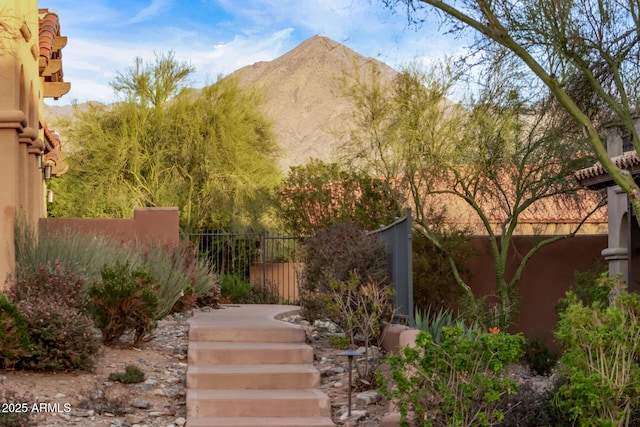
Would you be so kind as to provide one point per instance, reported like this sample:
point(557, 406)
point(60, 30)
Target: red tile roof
point(596, 176)
point(49, 29)
point(50, 50)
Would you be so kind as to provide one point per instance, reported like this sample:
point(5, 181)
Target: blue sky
point(220, 36)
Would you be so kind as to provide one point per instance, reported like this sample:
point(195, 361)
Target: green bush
point(233, 289)
point(51, 300)
point(124, 302)
point(460, 381)
point(334, 254)
point(14, 334)
point(339, 342)
point(600, 360)
point(131, 375)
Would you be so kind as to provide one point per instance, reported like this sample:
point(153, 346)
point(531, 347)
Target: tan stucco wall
point(22, 195)
point(149, 225)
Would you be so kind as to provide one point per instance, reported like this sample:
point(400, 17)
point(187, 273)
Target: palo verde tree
point(210, 152)
point(487, 162)
point(586, 52)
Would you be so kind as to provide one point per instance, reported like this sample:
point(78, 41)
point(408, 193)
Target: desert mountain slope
point(302, 96)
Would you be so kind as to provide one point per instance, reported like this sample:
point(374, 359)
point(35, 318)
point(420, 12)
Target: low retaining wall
point(149, 225)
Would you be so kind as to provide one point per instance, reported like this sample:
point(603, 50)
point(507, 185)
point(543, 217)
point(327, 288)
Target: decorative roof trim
point(596, 176)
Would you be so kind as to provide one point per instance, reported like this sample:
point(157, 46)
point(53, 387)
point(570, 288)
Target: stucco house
point(30, 70)
point(623, 251)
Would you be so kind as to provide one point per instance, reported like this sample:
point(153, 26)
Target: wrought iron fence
point(268, 261)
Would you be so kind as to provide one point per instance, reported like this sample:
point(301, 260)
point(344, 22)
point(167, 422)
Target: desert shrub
point(187, 300)
point(62, 338)
point(14, 334)
point(263, 294)
point(176, 268)
point(540, 358)
point(177, 271)
point(460, 381)
point(434, 286)
point(233, 289)
point(334, 254)
point(51, 300)
point(340, 342)
point(52, 281)
point(76, 251)
point(210, 298)
point(361, 308)
point(18, 414)
point(600, 360)
point(131, 375)
point(99, 400)
point(124, 302)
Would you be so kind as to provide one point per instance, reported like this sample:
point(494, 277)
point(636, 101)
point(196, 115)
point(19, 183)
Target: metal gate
point(268, 261)
point(398, 242)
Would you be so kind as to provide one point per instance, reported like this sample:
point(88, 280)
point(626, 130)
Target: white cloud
point(224, 58)
point(156, 7)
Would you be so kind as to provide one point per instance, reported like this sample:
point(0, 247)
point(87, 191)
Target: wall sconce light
point(50, 196)
point(39, 160)
point(48, 169)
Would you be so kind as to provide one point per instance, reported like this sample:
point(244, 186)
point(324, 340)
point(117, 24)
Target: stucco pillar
point(35, 182)
point(23, 176)
point(12, 122)
point(617, 252)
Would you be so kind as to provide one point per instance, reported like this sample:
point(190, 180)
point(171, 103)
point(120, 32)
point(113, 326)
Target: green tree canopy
point(210, 152)
point(485, 163)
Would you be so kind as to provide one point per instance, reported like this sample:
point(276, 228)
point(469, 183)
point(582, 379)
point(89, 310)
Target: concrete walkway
point(246, 368)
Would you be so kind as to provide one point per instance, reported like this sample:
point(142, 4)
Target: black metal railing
point(270, 262)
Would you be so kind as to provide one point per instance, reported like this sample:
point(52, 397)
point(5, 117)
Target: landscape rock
point(368, 397)
point(355, 415)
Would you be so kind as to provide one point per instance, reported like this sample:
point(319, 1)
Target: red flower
point(494, 330)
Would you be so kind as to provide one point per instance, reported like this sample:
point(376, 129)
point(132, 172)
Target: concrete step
point(270, 377)
point(227, 353)
point(257, 403)
point(260, 422)
point(268, 332)
point(244, 324)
